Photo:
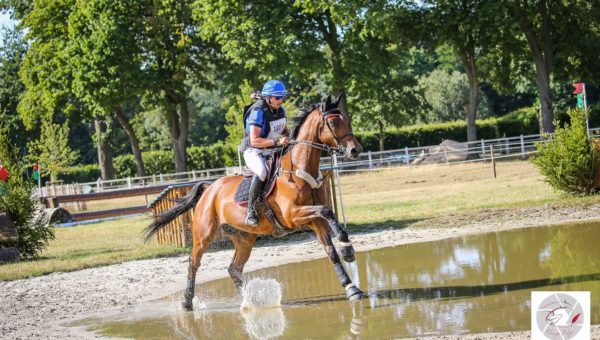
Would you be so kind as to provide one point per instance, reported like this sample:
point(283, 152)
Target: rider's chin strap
point(314, 183)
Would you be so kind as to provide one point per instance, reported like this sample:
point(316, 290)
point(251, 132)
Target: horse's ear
point(338, 99)
point(328, 103)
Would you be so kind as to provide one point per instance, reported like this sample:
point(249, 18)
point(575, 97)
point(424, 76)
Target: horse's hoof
point(347, 253)
point(354, 294)
point(188, 306)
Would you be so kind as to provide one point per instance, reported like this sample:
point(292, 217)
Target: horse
point(293, 200)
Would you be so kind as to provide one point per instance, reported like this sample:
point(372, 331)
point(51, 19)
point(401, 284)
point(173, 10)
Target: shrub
point(569, 161)
point(20, 204)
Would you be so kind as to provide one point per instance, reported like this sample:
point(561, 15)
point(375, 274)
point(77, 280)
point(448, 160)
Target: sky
point(5, 20)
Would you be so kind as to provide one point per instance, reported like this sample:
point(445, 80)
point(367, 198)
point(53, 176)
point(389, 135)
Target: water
point(464, 285)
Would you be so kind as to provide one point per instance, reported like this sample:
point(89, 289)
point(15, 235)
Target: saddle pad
point(243, 191)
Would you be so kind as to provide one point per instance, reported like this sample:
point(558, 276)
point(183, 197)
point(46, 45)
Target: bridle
point(339, 148)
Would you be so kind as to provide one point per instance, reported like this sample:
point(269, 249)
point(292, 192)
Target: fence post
point(446, 154)
point(160, 176)
point(193, 175)
point(99, 185)
point(406, 156)
point(339, 187)
point(522, 148)
point(370, 160)
point(129, 182)
point(493, 160)
point(506, 148)
point(483, 148)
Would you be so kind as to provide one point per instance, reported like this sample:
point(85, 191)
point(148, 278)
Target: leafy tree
point(11, 87)
point(52, 151)
point(447, 94)
point(562, 41)
point(19, 203)
point(106, 60)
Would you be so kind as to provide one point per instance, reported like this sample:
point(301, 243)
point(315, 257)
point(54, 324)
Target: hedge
point(522, 121)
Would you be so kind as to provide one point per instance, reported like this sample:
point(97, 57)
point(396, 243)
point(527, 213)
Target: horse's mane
point(299, 119)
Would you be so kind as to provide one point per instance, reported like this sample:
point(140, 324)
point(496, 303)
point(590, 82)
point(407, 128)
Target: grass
point(88, 246)
point(392, 196)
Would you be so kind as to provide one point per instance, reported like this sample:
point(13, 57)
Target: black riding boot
point(255, 191)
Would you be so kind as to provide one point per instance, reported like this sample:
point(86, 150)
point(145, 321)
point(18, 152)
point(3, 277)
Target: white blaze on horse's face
point(342, 136)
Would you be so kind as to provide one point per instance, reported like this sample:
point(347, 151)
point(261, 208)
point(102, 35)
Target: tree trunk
point(133, 140)
point(542, 52)
point(178, 125)
point(105, 155)
point(381, 135)
point(468, 60)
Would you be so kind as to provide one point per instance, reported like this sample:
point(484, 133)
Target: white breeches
point(256, 162)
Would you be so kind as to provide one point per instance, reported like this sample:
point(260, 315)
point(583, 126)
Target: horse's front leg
point(322, 232)
point(318, 218)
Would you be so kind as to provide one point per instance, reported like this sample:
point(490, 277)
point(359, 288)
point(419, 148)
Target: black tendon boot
point(255, 190)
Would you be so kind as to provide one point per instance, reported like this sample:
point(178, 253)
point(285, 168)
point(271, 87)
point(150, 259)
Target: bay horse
point(293, 200)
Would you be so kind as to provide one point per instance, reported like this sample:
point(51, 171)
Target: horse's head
point(336, 130)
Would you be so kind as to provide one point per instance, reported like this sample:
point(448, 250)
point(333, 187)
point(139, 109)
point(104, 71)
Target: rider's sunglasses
point(279, 97)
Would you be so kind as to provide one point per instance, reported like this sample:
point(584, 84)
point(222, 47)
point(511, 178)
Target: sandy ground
point(39, 307)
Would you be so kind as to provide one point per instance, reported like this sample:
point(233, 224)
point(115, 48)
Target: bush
point(20, 204)
point(570, 161)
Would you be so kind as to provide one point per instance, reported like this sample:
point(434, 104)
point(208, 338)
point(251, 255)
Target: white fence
point(520, 146)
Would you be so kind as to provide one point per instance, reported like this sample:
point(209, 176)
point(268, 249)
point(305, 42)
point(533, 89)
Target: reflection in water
point(464, 285)
point(264, 323)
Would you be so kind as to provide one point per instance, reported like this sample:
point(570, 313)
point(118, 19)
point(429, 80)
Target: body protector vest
point(271, 122)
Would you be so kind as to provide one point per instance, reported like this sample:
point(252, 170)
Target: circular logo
point(560, 316)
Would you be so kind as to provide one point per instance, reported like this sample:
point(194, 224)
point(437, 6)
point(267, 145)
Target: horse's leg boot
point(254, 196)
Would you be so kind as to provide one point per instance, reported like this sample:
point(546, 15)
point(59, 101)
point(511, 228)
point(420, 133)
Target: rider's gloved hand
point(283, 141)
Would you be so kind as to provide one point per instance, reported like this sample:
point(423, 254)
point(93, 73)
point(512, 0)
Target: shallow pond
point(472, 284)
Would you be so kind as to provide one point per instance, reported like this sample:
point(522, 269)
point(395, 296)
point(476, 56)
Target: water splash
point(261, 293)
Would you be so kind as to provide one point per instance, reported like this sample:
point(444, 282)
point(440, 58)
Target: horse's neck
point(303, 156)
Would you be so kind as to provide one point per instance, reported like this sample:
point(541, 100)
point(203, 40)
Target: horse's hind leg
point(202, 236)
point(322, 232)
point(243, 243)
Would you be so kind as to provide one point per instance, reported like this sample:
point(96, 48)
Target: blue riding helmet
point(274, 88)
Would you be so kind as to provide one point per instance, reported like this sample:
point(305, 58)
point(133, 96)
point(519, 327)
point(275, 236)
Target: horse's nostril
point(354, 152)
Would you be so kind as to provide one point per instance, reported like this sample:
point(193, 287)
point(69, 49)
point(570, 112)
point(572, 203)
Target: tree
point(11, 88)
point(51, 150)
point(467, 26)
point(561, 36)
point(298, 41)
point(174, 53)
point(106, 60)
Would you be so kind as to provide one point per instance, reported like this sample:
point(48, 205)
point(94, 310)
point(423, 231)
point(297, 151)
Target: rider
point(266, 129)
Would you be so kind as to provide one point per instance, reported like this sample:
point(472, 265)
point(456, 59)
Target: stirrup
point(252, 216)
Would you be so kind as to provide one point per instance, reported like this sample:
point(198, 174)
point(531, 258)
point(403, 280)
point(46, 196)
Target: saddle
point(243, 190)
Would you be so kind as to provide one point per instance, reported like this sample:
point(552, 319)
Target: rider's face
point(276, 102)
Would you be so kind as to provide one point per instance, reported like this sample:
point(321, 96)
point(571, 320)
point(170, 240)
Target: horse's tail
point(183, 204)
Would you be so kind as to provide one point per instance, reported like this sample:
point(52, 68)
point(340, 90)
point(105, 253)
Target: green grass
point(88, 246)
point(394, 197)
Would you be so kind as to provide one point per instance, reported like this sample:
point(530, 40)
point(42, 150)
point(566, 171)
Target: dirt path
point(39, 307)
